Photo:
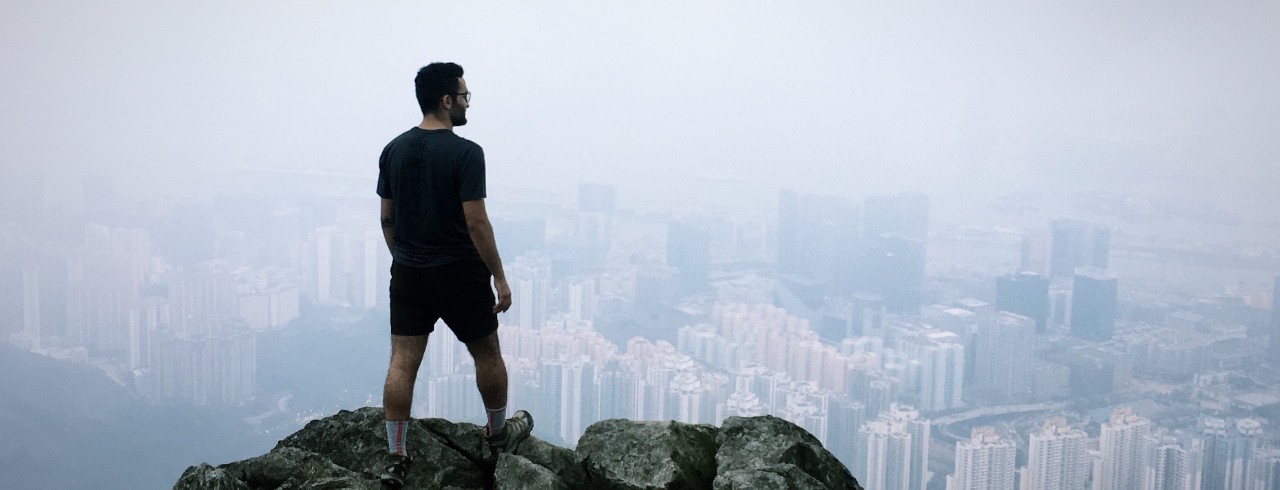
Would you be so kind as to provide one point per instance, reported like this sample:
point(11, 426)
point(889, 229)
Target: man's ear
point(446, 102)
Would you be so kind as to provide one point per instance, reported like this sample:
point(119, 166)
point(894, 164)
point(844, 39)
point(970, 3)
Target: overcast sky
point(664, 98)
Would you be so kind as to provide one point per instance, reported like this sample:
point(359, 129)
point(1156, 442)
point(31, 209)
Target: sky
point(666, 99)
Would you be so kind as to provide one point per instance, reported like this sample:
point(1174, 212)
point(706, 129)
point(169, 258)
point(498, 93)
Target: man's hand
point(504, 296)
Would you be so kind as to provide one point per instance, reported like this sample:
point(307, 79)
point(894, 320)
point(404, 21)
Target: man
point(432, 185)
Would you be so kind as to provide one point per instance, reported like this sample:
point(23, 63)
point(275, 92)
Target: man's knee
point(407, 352)
point(486, 348)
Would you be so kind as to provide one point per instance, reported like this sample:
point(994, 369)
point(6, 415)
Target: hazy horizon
point(666, 99)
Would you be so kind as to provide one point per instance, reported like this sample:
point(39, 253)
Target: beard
point(458, 116)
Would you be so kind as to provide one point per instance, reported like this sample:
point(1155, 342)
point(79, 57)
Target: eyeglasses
point(465, 96)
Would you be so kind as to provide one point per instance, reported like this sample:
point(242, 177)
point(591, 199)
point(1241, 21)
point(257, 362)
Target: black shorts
point(457, 292)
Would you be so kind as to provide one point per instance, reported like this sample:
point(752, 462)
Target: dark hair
point(435, 81)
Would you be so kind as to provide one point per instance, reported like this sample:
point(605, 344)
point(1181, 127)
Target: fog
point(748, 150)
point(666, 97)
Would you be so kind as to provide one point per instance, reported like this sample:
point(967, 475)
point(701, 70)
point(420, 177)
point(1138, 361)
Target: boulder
point(627, 455)
point(514, 472)
point(769, 444)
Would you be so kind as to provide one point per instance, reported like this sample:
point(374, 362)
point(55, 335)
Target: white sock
point(398, 436)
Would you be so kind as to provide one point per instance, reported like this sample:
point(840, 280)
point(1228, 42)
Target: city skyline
point(609, 322)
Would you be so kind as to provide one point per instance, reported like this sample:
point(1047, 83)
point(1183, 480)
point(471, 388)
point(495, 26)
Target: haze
point(665, 97)
point(985, 224)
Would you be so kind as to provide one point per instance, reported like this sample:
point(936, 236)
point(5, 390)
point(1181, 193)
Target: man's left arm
point(389, 224)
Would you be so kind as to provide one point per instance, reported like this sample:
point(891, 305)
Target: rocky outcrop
point(346, 451)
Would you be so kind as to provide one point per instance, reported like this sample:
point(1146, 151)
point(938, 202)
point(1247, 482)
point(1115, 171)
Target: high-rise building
point(844, 419)
point(937, 370)
point(655, 292)
point(894, 231)
point(619, 392)
point(323, 265)
point(104, 286)
point(894, 269)
point(530, 279)
point(1229, 451)
point(1266, 469)
point(817, 238)
point(893, 451)
point(201, 300)
point(582, 298)
point(205, 371)
point(1122, 447)
point(1273, 354)
point(689, 252)
point(1005, 357)
point(867, 314)
point(1057, 457)
point(984, 462)
point(1167, 465)
point(1027, 294)
point(1093, 304)
point(20, 302)
point(366, 286)
point(1077, 244)
point(453, 396)
point(884, 457)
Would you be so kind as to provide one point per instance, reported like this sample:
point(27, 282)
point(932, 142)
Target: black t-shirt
point(428, 174)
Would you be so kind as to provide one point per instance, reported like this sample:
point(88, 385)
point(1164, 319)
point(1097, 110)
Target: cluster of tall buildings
point(892, 451)
point(344, 267)
point(643, 317)
point(180, 334)
point(1130, 452)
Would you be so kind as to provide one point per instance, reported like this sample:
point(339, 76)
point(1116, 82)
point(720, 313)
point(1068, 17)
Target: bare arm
point(482, 235)
point(389, 224)
point(481, 231)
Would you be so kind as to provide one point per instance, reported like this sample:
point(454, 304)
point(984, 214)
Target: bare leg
point(406, 356)
point(491, 371)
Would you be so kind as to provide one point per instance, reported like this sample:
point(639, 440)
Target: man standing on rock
point(432, 185)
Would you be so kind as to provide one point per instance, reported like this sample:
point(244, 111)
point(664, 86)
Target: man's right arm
point(481, 231)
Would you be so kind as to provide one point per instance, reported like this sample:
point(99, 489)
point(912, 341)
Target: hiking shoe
point(513, 433)
point(397, 469)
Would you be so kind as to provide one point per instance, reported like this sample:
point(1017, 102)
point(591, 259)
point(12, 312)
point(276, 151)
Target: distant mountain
point(65, 425)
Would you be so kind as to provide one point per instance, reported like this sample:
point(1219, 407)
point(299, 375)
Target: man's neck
point(431, 121)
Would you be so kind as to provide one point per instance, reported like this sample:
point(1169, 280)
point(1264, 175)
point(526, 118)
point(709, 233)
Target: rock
point(563, 462)
point(627, 455)
point(747, 479)
point(206, 477)
point(516, 472)
point(341, 483)
point(764, 443)
point(288, 467)
point(358, 441)
point(781, 477)
point(465, 438)
point(347, 450)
